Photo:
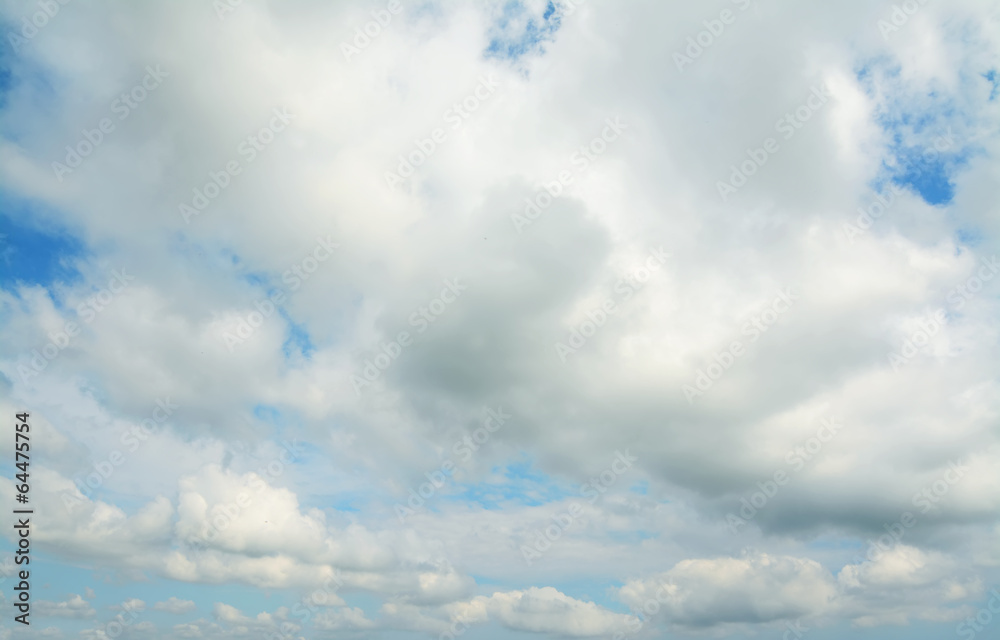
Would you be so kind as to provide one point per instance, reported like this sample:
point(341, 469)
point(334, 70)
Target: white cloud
point(74, 607)
point(345, 618)
point(543, 610)
point(753, 589)
point(901, 585)
point(175, 605)
point(131, 604)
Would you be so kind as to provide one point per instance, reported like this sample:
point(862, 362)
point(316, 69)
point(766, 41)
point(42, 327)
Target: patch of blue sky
point(518, 31)
point(523, 484)
point(491, 497)
point(96, 477)
point(931, 178)
point(255, 279)
point(276, 420)
point(969, 237)
point(280, 425)
point(249, 599)
point(267, 413)
point(923, 153)
point(641, 487)
point(352, 503)
point(33, 254)
point(367, 602)
point(991, 77)
point(927, 129)
point(203, 256)
point(877, 67)
point(336, 491)
point(837, 543)
point(51, 581)
point(308, 473)
point(298, 340)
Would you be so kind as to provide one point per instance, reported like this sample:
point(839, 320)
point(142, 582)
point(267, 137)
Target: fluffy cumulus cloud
point(758, 588)
point(547, 318)
point(74, 607)
point(544, 610)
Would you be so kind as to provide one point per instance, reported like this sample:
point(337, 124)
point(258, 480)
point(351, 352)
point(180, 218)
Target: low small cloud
point(175, 605)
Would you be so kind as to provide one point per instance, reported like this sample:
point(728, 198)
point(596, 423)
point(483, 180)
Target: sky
point(507, 319)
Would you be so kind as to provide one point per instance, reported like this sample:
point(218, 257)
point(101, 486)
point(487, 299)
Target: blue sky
point(37, 255)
